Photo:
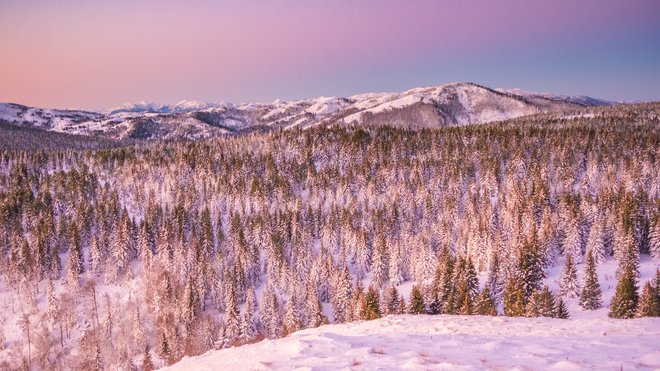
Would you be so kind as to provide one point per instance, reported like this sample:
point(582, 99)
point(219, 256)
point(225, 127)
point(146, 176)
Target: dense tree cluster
point(157, 251)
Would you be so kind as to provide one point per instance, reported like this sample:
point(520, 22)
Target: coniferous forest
point(133, 255)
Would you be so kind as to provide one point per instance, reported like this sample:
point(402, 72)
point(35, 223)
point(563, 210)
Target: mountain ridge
point(452, 104)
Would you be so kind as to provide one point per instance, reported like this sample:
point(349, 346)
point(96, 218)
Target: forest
point(133, 255)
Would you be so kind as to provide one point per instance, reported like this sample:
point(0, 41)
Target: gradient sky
point(97, 54)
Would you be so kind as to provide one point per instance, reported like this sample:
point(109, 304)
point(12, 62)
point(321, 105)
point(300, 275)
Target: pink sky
point(97, 54)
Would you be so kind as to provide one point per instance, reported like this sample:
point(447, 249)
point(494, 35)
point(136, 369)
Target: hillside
point(431, 107)
point(423, 342)
point(589, 339)
point(169, 249)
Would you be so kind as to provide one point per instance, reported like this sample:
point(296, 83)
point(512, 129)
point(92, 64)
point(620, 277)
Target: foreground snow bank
point(451, 342)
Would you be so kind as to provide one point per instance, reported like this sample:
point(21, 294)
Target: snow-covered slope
point(446, 105)
point(445, 342)
point(588, 340)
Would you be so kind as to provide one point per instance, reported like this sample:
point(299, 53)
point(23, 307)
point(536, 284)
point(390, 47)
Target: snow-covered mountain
point(446, 105)
point(151, 107)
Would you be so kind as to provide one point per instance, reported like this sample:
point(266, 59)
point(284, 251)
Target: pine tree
point(446, 291)
point(471, 280)
point(379, 266)
point(649, 306)
point(72, 268)
point(561, 311)
point(463, 298)
point(596, 241)
point(485, 305)
point(164, 351)
point(546, 303)
point(95, 256)
point(401, 308)
point(248, 326)
point(533, 308)
point(314, 309)
point(291, 316)
point(122, 247)
point(416, 301)
point(514, 298)
point(624, 302)
point(147, 363)
point(232, 320)
point(654, 238)
point(591, 293)
point(628, 252)
point(357, 307)
point(371, 307)
point(568, 286)
point(269, 312)
point(145, 246)
point(76, 248)
point(341, 296)
point(190, 302)
point(530, 266)
point(573, 240)
point(495, 283)
point(391, 301)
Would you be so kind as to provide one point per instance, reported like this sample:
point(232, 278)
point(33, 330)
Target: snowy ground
point(451, 342)
point(588, 340)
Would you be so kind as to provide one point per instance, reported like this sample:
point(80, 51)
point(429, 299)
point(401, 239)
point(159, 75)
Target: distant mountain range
point(446, 105)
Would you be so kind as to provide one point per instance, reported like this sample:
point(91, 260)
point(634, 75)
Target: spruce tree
point(561, 311)
point(391, 301)
point(416, 305)
point(654, 238)
point(357, 307)
point(232, 321)
point(530, 266)
point(147, 364)
point(596, 242)
point(341, 296)
point(446, 290)
point(629, 252)
point(648, 302)
point(591, 293)
point(533, 308)
point(485, 305)
point(546, 303)
point(401, 308)
point(624, 302)
point(248, 326)
point(291, 316)
point(514, 298)
point(495, 283)
point(568, 285)
point(463, 298)
point(371, 307)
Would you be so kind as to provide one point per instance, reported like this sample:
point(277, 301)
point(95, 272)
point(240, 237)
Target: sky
point(97, 54)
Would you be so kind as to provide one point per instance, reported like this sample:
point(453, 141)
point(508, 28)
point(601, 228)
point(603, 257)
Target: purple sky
point(96, 54)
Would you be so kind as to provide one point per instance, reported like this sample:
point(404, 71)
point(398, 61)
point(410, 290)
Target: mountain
point(424, 342)
point(150, 107)
point(446, 105)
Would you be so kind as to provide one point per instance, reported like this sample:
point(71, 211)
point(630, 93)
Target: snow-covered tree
point(590, 296)
point(568, 284)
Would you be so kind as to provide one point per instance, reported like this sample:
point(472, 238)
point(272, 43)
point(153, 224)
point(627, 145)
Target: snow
point(325, 106)
point(588, 340)
point(140, 107)
point(194, 105)
point(456, 104)
point(450, 342)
